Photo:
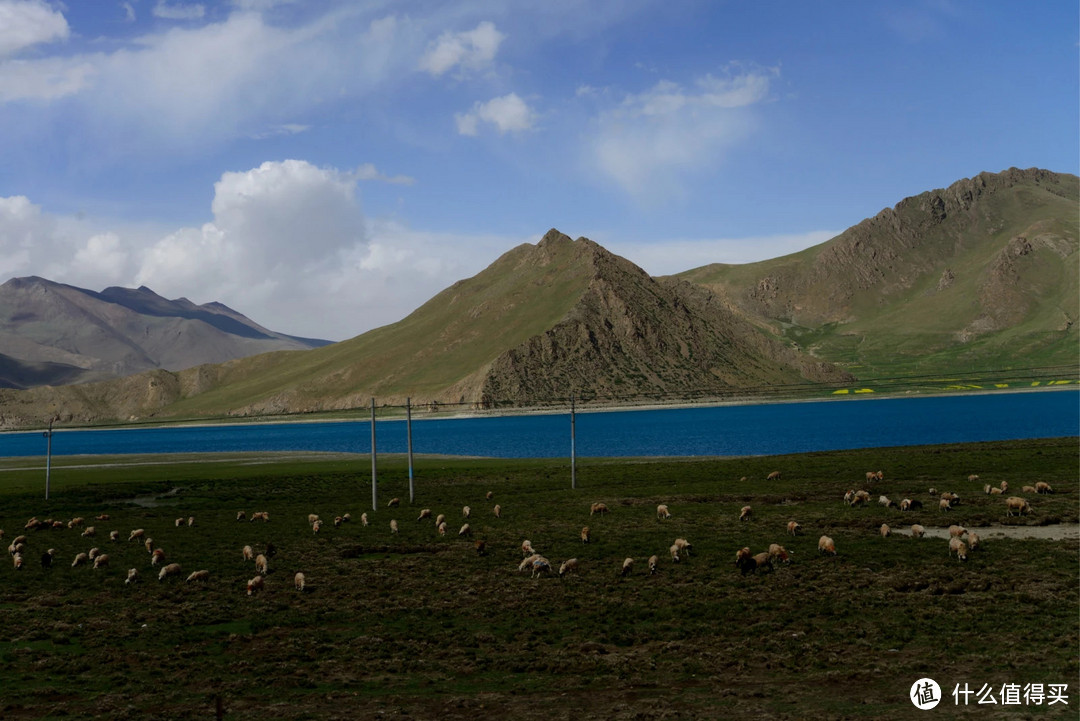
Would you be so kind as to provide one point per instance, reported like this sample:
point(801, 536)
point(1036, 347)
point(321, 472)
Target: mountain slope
point(983, 274)
point(53, 334)
point(546, 321)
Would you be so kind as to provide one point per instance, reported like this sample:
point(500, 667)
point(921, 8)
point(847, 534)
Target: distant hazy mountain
point(55, 334)
point(980, 275)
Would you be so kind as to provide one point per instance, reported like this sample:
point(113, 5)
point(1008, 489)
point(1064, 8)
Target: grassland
point(415, 625)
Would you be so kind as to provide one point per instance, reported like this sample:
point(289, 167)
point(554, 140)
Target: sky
point(326, 166)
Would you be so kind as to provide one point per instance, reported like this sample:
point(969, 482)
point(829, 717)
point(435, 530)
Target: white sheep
point(497, 511)
point(885, 530)
point(17, 559)
point(957, 546)
point(662, 511)
point(312, 517)
point(190, 521)
point(89, 531)
point(249, 553)
point(149, 544)
point(179, 522)
point(299, 580)
point(744, 514)
point(654, 563)
point(528, 561)
point(316, 527)
point(917, 531)
point(132, 576)
point(540, 565)
point(489, 495)
point(94, 553)
point(585, 534)
point(793, 528)
point(338, 520)
point(972, 540)
point(779, 553)
point(425, 513)
point(260, 565)
point(1043, 487)
point(255, 584)
point(394, 503)
point(138, 533)
point(347, 518)
point(198, 576)
point(674, 551)
point(826, 545)
point(363, 519)
point(1015, 503)
point(956, 531)
point(80, 559)
point(157, 557)
point(240, 515)
point(568, 566)
point(393, 526)
point(465, 511)
point(774, 476)
point(627, 566)
point(441, 528)
point(465, 530)
point(600, 508)
point(527, 548)
point(114, 535)
point(944, 505)
point(683, 545)
point(173, 569)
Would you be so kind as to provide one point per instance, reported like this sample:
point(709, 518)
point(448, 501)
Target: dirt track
point(1055, 532)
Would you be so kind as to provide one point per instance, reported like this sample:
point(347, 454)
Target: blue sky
point(325, 167)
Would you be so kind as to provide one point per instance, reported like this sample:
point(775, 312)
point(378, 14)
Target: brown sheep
point(598, 508)
point(481, 548)
point(198, 576)
point(585, 535)
point(741, 554)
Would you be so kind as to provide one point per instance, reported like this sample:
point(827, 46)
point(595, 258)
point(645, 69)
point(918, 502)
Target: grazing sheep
point(132, 576)
point(136, 534)
point(973, 478)
point(249, 553)
point(849, 497)
point(80, 559)
point(793, 527)
point(481, 548)
point(996, 491)
point(441, 528)
point(90, 531)
point(956, 531)
point(157, 557)
point(240, 515)
point(674, 551)
point(497, 511)
point(885, 530)
point(173, 569)
point(312, 517)
point(94, 553)
point(875, 475)
point(744, 514)
point(190, 521)
point(861, 497)
point(489, 495)
point(260, 565)
point(179, 522)
point(1025, 489)
point(425, 513)
point(263, 516)
point(394, 503)
point(826, 545)
point(884, 500)
point(905, 504)
point(393, 526)
point(585, 534)
point(654, 563)
point(662, 511)
point(944, 505)
point(1015, 503)
point(528, 561)
point(774, 476)
point(465, 530)
point(917, 531)
point(750, 564)
point(540, 565)
point(933, 491)
point(972, 540)
point(1043, 487)
point(255, 584)
point(75, 522)
point(338, 521)
point(363, 519)
point(986, 489)
point(1004, 486)
point(316, 527)
point(465, 511)
point(526, 548)
point(567, 566)
point(951, 497)
point(19, 539)
point(102, 517)
point(347, 518)
point(683, 545)
point(198, 576)
point(17, 559)
point(114, 535)
point(299, 580)
point(627, 566)
point(149, 544)
point(597, 508)
point(779, 553)
point(957, 546)
point(440, 519)
point(742, 553)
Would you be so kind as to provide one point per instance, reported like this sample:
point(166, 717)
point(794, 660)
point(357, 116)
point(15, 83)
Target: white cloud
point(129, 12)
point(45, 79)
point(102, 261)
point(25, 23)
point(508, 114)
point(471, 50)
point(178, 11)
point(367, 171)
point(649, 140)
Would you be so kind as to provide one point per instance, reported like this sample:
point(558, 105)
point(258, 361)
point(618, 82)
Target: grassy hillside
point(416, 624)
point(981, 275)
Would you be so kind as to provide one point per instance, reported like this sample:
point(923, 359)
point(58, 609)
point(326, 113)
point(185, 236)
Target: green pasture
point(418, 625)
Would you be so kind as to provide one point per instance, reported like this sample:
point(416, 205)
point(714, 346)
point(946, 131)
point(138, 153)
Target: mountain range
point(979, 275)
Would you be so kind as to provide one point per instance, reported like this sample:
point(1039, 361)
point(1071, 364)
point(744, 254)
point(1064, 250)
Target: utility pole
point(374, 467)
point(408, 436)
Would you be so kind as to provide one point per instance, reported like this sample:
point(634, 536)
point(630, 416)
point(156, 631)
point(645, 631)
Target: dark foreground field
point(415, 625)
